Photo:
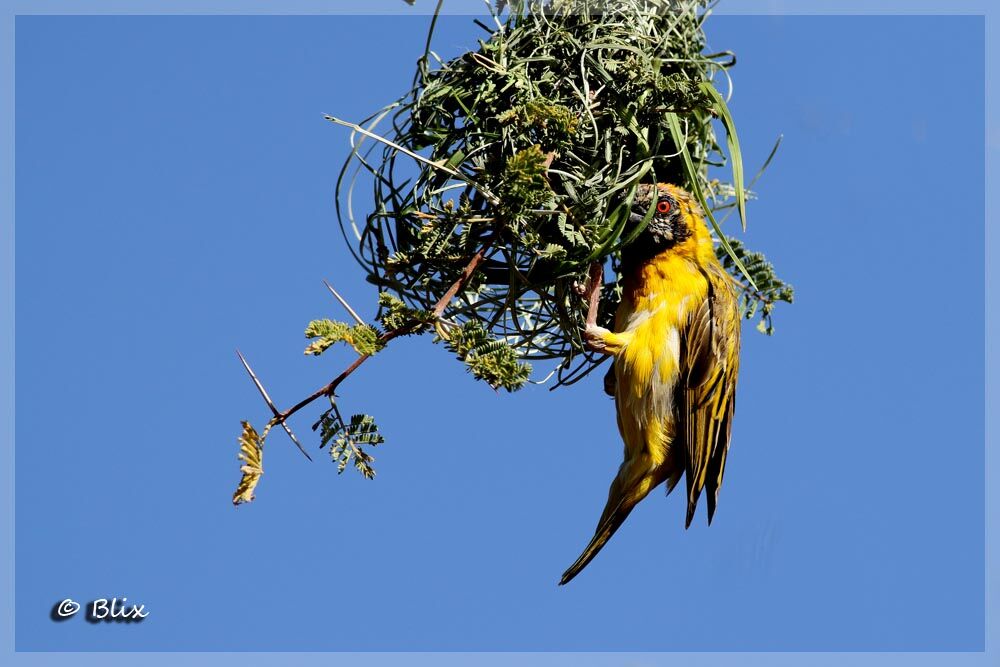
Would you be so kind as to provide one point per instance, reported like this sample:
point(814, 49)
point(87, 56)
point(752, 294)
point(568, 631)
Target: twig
point(267, 399)
point(594, 283)
point(462, 279)
point(409, 327)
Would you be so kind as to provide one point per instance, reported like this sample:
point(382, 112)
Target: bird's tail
point(611, 520)
point(630, 486)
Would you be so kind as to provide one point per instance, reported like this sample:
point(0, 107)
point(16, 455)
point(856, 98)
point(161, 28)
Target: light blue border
point(9, 10)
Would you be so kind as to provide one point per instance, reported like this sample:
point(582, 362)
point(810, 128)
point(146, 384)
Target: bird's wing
point(709, 360)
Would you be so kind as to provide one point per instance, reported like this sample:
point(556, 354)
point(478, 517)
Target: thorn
point(343, 303)
point(267, 399)
point(292, 436)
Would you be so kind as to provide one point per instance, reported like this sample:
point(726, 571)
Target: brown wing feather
point(710, 358)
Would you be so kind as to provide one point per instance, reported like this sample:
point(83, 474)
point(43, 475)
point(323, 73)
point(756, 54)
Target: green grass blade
point(695, 182)
point(735, 154)
point(767, 162)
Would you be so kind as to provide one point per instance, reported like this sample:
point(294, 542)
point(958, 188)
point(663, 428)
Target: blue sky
point(174, 201)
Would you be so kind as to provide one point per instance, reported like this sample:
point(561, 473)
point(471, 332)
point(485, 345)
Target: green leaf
point(488, 359)
point(769, 291)
point(395, 314)
point(348, 440)
point(735, 154)
point(364, 338)
point(693, 179)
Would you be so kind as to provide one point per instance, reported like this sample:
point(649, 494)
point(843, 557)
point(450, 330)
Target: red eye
point(663, 206)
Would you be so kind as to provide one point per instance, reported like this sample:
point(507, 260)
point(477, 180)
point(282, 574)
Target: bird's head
point(676, 216)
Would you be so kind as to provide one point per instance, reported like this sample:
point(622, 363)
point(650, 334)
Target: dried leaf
point(252, 455)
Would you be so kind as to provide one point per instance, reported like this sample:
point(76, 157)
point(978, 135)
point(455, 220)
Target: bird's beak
point(661, 232)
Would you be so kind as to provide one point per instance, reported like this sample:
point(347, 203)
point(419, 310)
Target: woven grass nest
point(530, 150)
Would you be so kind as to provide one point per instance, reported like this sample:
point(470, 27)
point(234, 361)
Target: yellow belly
point(657, 300)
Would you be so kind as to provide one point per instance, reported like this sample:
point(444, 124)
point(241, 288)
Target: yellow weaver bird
point(676, 349)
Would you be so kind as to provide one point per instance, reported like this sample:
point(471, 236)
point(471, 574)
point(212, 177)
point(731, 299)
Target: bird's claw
point(594, 338)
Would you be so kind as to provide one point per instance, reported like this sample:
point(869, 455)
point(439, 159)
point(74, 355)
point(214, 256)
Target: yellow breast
point(657, 299)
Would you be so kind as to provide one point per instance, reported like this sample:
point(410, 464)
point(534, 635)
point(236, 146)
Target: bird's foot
point(596, 339)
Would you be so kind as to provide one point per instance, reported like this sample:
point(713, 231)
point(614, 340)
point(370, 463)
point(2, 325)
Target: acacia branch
point(328, 390)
